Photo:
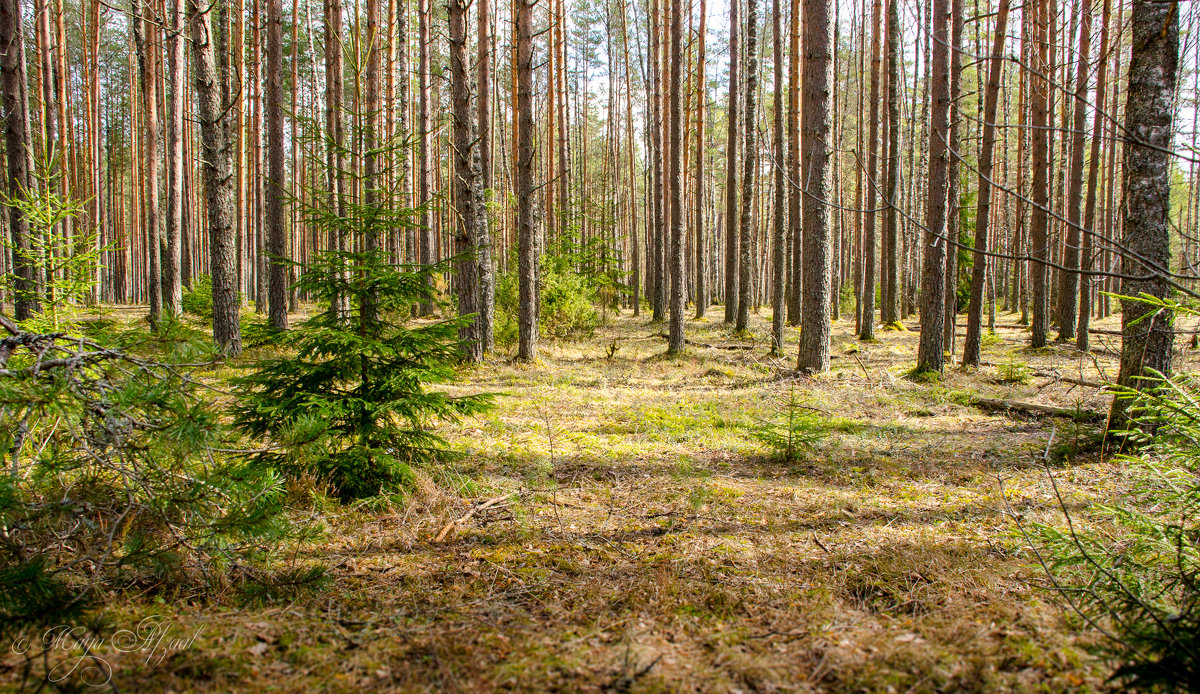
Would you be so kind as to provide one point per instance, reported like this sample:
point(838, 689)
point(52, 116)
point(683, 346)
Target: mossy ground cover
point(640, 538)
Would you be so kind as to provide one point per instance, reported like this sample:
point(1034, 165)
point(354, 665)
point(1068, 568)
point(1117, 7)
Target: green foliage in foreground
point(1139, 580)
point(117, 480)
point(352, 405)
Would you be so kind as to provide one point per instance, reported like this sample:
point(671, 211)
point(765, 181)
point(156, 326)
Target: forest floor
point(629, 533)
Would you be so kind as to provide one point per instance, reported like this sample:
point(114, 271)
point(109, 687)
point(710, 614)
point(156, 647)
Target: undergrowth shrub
point(1135, 573)
point(119, 480)
point(352, 404)
point(796, 428)
point(197, 299)
point(580, 284)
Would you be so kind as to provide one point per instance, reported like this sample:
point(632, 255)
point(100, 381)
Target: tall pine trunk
point(276, 175)
point(173, 260)
point(750, 171)
point(867, 309)
point(731, 160)
point(217, 164)
point(675, 339)
point(18, 145)
point(815, 311)
point(145, 37)
point(780, 249)
point(890, 308)
point(931, 350)
point(527, 273)
point(1068, 277)
point(1147, 332)
point(1089, 215)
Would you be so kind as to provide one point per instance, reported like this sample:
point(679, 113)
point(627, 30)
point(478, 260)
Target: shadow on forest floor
point(647, 541)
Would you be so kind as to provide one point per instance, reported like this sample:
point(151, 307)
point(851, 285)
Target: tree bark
point(732, 255)
point(815, 311)
point(1147, 331)
point(795, 195)
point(931, 350)
point(1089, 215)
point(464, 185)
point(890, 308)
point(216, 140)
point(527, 321)
point(1039, 216)
point(698, 221)
point(424, 156)
point(749, 173)
point(336, 130)
point(145, 33)
point(276, 175)
point(18, 146)
point(867, 308)
point(172, 262)
point(780, 248)
point(1068, 278)
point(676, 180)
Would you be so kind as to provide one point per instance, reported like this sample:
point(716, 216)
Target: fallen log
point(1083, 415)
point(1069, 379)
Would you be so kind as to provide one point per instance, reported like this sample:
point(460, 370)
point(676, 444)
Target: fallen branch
point(474, 509)
point(1038, 408)
point(1069, 379)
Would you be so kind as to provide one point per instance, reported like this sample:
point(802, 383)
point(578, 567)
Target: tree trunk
point(172, 261)
point(276, 176)
point(953, 211)
point(18, 146)
point(780, 249)
point(795, 195)
point(698, 213)
point(1147, 332)
point(675, 179)
point(1089, 215)
point(424, 156)
point(1039, 241)
point(216, 139)
point(485, 99)
point(979, 270)
point(732, 255)
point(527, 321)
point(749, 173)
point(815, 312)
point(931, 351)
point(145, 33)
point(867, 308)
point(465, 184)
point(890, 308)
point(335, 125)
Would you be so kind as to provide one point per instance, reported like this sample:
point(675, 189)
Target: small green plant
point(920, 374)
point(197, 299)
point(1013, 372)
point(799, 428)
point(67, 264)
